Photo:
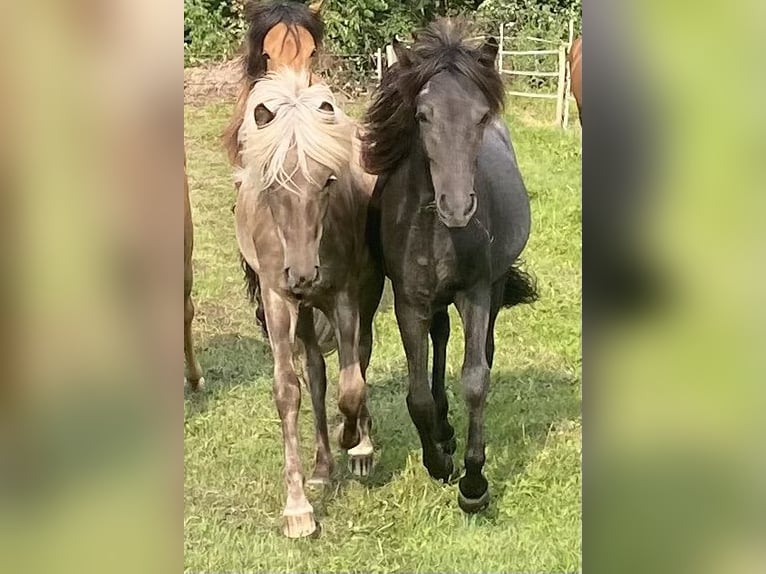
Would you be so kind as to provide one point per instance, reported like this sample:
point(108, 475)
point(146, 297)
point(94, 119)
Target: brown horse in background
point(279, 35)
point(575, 70)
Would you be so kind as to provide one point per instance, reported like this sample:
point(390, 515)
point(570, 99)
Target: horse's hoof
point(318, 481)
point(445, 472)
point(360, 459)
point(472, 505)
point(197, 385)
point(299, 524)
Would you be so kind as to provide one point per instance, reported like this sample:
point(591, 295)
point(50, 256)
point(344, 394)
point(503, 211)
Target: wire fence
point(531, 73)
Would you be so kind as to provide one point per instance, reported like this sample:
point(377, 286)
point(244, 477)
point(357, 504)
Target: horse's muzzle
point(456, 217)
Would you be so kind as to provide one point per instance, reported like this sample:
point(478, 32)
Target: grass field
point(398, 519)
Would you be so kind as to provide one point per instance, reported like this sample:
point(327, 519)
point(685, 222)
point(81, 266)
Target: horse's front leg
point(193, 370)
point(317, 379)
point(414, 324)
point(281, 318)
point(352, 388)
point(474, 308)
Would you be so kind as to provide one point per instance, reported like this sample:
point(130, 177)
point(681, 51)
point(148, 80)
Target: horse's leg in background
point(193, 370)
point(282, 320)
point(317, 379)
point(370, 295)
point(414, 326)
point(352, 388)
point(445, 434)
point(474, 308)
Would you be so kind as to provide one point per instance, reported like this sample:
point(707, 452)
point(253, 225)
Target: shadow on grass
point(227, 360)
point(521, 408)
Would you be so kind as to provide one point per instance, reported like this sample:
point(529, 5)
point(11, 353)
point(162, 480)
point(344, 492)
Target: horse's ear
point(402, 54)
point(316, 7)
point(263, 116)
point(328, 108)
point(488, 52)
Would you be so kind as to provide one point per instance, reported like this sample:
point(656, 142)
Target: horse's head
point(454, 99)
point(298, 207)
point(283, 35)
point(296, 146)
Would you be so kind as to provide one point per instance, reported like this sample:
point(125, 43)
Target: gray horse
point(449, 218)
point(300, 222)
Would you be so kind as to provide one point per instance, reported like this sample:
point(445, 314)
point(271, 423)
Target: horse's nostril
point(471, 206)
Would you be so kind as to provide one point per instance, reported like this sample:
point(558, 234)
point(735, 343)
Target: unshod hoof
point(197, 385)
point(318, 482)
point(299, 525)
point(360, 459)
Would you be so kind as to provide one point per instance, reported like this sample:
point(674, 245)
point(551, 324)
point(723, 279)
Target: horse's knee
point(475, 383)
point(287, 391)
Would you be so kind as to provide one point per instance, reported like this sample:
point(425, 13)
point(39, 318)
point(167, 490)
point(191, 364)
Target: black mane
point(390, 123)
point(263, 16)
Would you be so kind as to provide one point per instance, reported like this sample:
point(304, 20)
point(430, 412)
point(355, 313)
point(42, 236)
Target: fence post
point(379, 64)
point(560, 94)
point(568, 81)
point(390, 55)
point(502, 47)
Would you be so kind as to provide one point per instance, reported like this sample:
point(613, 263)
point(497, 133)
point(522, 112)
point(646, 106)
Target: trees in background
point(213, 29)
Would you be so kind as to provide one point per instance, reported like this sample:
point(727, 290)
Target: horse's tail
point(322, 327)
point(520, 287)
point(324, 332)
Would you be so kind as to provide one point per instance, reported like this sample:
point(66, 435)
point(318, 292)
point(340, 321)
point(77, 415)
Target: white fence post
point(502, 47)
point(568, 82)
point(390, 56)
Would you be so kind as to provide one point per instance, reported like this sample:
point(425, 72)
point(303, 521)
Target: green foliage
point(548, 19)
point(213, 29)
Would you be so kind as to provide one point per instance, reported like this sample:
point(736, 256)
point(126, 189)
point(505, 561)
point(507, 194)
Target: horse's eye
point(421, 117)
point(485, 119)
point(266, 57)
point(330, 181)
point(314, 52)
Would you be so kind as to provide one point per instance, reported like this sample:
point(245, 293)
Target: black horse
point(450, 218)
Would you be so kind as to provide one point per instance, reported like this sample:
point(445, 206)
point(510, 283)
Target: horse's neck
point(418, 174)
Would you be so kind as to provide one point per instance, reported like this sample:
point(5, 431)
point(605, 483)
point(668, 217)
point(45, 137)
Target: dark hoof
point(472, 505)
point(473, 493)
point(443, 470)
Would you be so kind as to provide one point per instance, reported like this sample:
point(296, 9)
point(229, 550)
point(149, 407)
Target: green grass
point(399, 519)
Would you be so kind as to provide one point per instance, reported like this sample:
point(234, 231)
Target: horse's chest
point(429, 261)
